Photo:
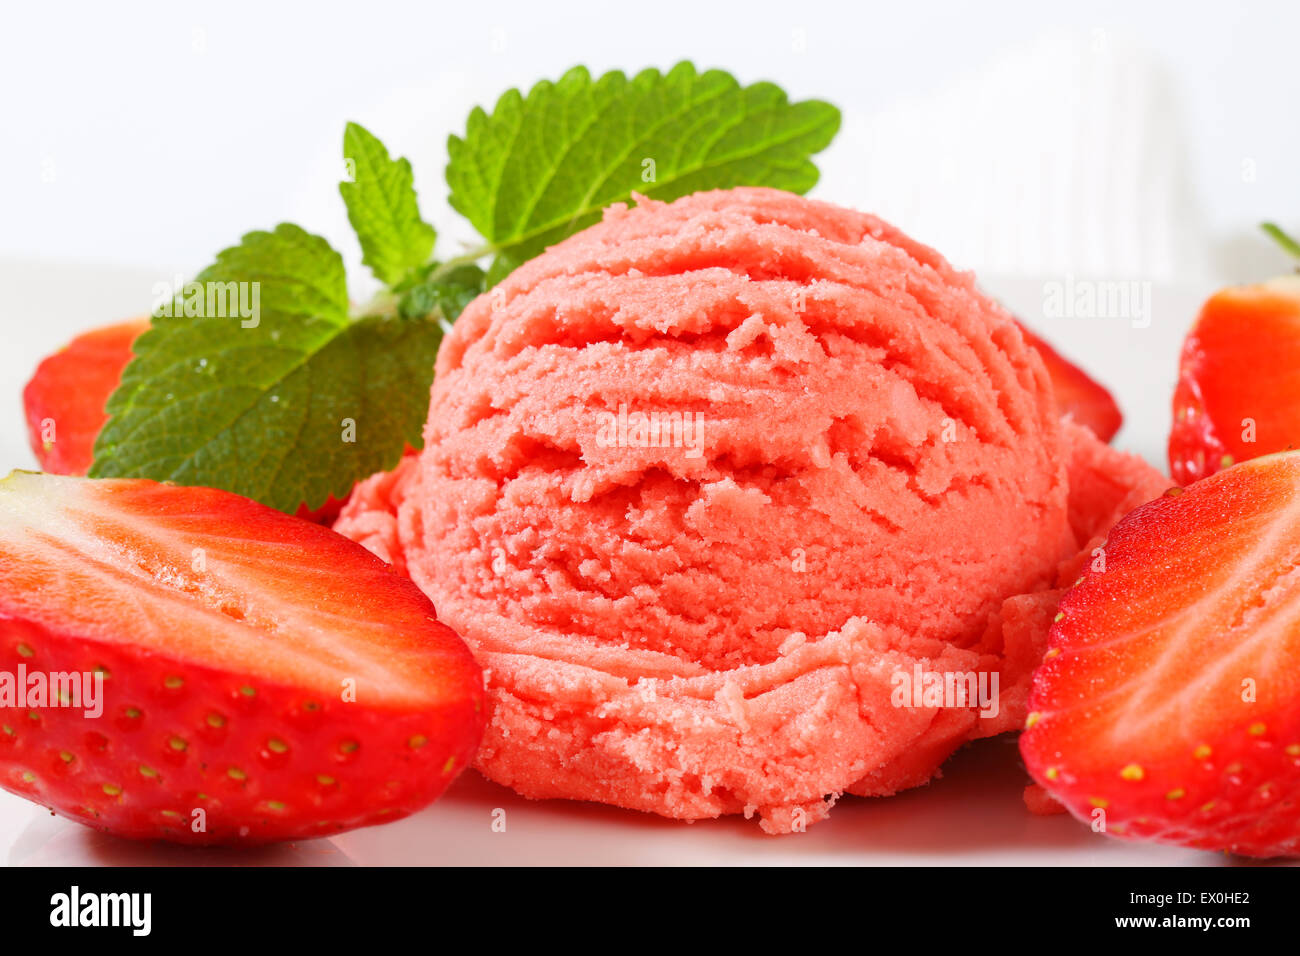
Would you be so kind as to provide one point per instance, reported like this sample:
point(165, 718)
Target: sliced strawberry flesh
point(1170, 694)
point(218, 581)
point(1163, 643)
point(262, 676)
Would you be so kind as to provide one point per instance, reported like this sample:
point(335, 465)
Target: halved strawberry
point(1168, 703)
point(65, 399)
point(1238, 392)
point(263, 677)
point(1077, 393)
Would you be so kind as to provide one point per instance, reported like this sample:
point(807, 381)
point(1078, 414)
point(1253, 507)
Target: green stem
point(464, 259)
point(1281, 238)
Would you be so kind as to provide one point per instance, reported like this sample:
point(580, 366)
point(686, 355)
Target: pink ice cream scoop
point(713, 487)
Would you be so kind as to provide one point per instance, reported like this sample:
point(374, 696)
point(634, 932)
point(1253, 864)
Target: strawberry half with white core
point(263, 678)
point(1238, 392)
point(1168, 703)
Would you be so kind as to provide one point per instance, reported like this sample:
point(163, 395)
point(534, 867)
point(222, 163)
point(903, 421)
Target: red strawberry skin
point(225, 713)
point(1168, 702)
point(1238, 392)
point(1078, 394)
point(68, 393)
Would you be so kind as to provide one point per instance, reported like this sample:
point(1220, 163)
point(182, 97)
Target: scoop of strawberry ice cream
point(700, 482)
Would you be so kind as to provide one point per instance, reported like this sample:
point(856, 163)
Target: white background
point(154, 134)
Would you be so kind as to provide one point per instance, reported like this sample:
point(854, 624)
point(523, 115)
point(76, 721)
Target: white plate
point(974, 814)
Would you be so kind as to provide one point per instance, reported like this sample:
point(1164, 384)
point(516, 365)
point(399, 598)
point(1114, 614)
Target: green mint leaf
point(541, 167)
point(383, 210)
point(442, 295)
point(261, 383)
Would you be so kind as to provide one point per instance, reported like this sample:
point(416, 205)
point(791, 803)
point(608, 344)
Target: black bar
point(978, 905)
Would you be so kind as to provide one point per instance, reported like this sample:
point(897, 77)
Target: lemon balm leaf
point(383, 208)
point(542, 166)
point(267, 386)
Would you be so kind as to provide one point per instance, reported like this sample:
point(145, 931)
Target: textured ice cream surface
point(702, 480)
